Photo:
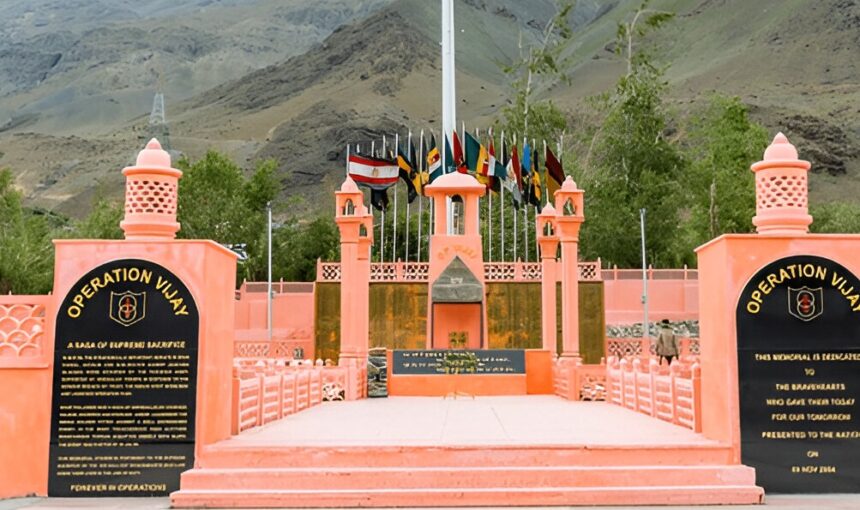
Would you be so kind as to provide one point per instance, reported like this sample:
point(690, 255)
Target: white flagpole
point(382, 227)
point(449, 94)
point(408, 154)
point(490, 175)
point(526, 208)
point(537, 207)
point(515, 236)
point(269, 285)
point(394, 221)
point(420, 194)
point(547, 174)
point(432, 219)
point(502, 193)
point(347, 159)
point(514, 212)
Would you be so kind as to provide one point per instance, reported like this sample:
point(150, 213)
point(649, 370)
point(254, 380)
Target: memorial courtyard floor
point(423, 421)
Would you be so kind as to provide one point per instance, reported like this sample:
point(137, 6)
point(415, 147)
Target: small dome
point(349, 186)
point(780, 149)
point(153, 156)
point(569, 184)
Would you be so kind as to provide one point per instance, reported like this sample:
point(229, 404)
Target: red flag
point(515, 159)
point(459, 160)
point(554, 169)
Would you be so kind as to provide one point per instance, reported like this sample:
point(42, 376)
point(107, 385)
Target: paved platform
point(510, 420)
point(780, 502)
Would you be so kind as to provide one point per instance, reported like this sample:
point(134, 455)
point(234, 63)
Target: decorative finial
point(569, 184)
point(349, 186)
point(548, 209)
point(780, 149)
point(153, 156)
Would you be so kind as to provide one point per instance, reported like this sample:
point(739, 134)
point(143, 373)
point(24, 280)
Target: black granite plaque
point(798, 325)
point(429, 362)
point(124, 388)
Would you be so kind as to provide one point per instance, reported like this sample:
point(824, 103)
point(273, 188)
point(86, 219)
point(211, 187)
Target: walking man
point(667, 343)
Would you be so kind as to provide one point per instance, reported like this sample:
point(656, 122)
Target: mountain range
point(298, 80)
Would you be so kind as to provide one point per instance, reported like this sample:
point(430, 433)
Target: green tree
point(722, 142)
point(101, 223)
point(217, 201)
point(297, 246)
point(631, 165)
point(26, 251)
point(536, 65)
point(835, 218)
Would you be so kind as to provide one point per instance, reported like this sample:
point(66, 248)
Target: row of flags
point(520, 175)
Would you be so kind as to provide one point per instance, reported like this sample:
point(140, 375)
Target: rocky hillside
point(296, 81)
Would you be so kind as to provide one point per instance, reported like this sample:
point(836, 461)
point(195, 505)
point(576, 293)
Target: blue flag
point(527, 159)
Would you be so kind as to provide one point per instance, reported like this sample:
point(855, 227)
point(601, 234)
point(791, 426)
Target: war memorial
point(145, 372)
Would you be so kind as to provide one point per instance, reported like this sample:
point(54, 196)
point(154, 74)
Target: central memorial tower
point(456, 304)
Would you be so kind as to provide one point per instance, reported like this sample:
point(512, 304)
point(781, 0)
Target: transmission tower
point(157, 121)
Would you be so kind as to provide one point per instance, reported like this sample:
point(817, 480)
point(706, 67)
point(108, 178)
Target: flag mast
point(514, 257)
point(382, 214)
point(490, 195)
point(449, 105)
point(394, 221)
point(420, 169)
point(502, 192)
point(449, 94)
point(409, 153)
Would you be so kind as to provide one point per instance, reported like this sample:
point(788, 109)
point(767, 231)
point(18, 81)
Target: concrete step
point(493, 496)
point(267, 456)
point(450, 477)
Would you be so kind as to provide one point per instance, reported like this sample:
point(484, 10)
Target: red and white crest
point(805, 303)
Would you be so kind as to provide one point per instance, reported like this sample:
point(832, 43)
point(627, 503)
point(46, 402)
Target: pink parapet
point(781, 190)
point(151, 195)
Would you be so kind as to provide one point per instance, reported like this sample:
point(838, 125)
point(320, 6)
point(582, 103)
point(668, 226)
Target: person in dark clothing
point(667, 343)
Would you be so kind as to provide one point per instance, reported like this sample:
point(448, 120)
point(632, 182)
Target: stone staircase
point(495, 475)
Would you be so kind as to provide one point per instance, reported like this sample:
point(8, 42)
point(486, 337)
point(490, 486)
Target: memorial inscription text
point(125, 369)
point(799, 368)
point(432, 361)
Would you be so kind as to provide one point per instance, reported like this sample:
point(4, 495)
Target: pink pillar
point(365, 241)
point(569, 207)
point(353, 341)
point(548, 242)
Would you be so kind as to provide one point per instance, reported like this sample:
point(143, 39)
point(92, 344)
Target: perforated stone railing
point(672, 394)
point(22, 330)
point(268, 390)
point(409, 272)
point(644, 347)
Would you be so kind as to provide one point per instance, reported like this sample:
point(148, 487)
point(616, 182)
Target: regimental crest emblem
point(805, 303)
point(127, 307)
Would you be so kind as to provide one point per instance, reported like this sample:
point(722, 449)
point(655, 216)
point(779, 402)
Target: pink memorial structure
point(145, 350)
